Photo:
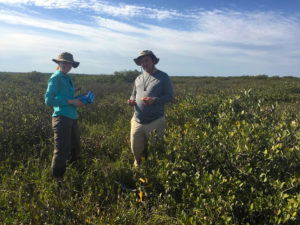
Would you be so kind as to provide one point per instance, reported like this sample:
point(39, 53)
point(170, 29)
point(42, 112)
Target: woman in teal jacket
point(60, 95)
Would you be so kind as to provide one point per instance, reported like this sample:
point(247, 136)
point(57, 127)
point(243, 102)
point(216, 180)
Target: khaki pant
point(66, 144)
point(140, 133)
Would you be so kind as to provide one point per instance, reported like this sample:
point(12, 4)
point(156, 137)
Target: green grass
point(230, 154)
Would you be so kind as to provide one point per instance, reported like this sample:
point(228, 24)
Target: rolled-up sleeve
point(51, 98)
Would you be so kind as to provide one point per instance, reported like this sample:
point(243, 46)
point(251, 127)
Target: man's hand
point(76, 102)
point(148, 100)
point(131, 102)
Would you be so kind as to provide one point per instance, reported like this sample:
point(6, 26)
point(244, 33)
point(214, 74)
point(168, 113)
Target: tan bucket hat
point(66, 57)
point(143, 53)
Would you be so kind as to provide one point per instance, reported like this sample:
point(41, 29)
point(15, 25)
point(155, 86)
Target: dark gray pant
point(66, 144)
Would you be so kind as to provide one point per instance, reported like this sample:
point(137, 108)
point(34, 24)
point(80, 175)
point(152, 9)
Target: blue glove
point(86, 98)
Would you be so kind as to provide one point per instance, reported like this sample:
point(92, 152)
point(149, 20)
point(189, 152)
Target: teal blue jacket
point(60, 90)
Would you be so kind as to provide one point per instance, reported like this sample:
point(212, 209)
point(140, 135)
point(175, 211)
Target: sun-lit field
point(230, 155)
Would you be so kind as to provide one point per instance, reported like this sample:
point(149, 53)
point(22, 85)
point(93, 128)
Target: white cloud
point(45, 3)
point(117, 26)
point(11, 2)
point(259, 28)
point(102, 7)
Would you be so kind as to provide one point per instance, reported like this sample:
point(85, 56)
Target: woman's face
point(65, 67)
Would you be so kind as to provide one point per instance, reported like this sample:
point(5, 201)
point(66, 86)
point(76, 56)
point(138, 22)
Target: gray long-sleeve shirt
point(157, 85)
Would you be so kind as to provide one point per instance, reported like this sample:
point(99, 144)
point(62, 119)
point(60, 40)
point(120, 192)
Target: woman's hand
point(76, 102)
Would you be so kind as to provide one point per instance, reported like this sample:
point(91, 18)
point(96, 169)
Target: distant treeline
point(130, 75)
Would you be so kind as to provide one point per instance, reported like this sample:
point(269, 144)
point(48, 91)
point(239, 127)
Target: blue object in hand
point(86, 98)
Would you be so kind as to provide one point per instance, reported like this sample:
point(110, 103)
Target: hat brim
point(74, 63)
point(138, 59)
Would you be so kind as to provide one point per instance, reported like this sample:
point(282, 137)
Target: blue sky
point(191, 37)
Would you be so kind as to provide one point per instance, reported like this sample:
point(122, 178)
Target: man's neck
point(151, 72)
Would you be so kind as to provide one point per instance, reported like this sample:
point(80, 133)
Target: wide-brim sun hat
point(144, 53)
point(66, 57)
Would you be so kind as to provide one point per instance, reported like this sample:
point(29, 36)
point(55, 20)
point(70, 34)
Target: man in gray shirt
point(151, 91)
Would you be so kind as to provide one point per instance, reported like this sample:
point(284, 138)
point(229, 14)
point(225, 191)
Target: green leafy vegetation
point(230, 154)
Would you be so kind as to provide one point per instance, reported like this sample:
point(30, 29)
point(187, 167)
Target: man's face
point(147, 63)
